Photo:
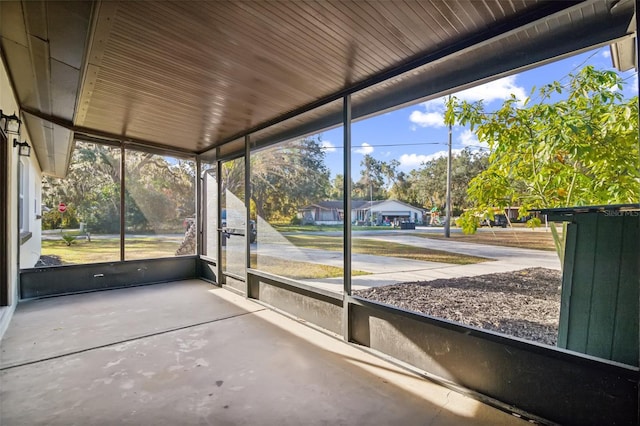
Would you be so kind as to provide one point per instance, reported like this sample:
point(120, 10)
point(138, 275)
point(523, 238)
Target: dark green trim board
point(567, 279)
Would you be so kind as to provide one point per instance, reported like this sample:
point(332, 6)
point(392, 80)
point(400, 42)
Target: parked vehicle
point(498, 220)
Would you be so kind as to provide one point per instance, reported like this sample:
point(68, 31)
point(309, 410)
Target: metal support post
point(346, 196)
point(247, 209)
point(447, 224)
point(122, 200)
point(219, 218)
point(199, 211)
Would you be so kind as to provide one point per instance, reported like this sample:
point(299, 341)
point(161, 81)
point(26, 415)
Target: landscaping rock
point(45, 261)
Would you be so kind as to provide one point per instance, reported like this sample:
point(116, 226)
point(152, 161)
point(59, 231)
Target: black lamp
point(11, 123)
point(24, 150)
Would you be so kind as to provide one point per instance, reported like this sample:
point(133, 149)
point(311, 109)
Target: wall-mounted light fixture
point(11, 123)
point(24, 150)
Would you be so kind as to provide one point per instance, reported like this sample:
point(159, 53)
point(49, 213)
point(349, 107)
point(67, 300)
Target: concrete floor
point(188, 353)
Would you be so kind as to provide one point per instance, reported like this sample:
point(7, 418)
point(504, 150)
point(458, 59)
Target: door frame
point(221, 273)
point(4, 219)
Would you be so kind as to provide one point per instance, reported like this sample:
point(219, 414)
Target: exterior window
point(23, 197)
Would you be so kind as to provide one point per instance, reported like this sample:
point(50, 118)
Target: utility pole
point(447, 225)
point(370, 202)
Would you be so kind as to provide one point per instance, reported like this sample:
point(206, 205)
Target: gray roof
point(364, 205)
point(326, 205)
point(355, 205)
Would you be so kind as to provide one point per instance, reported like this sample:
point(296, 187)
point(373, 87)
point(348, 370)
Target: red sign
point(62, 207)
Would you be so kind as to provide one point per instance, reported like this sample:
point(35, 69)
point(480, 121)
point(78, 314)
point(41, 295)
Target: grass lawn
point(306, 228)
point(522, 239)
point(297, 270)
point(326, 228)
point(367, 246)
point(108, 250)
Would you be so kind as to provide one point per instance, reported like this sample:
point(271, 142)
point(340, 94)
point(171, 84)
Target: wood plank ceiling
point(192, 75)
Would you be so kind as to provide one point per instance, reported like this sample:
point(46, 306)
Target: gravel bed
point(45, 260)
point(523, 304)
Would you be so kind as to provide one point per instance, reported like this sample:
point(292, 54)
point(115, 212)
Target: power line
point(380, 145)
point(478, 147)
point(631, 76)
point(401, 144)
point(568, 74)
point(385, 145)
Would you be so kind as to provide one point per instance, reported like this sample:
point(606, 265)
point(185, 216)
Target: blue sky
point(417, 133)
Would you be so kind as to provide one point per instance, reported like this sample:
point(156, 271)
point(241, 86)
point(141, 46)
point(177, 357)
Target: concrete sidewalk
point(392, 270)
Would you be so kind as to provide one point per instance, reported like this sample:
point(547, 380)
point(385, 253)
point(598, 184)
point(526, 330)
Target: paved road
point(390, 270)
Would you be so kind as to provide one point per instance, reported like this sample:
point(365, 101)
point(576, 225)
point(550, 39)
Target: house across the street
point(382, 212)
point(322, 213)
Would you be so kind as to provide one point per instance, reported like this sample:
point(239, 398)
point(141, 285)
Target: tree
point(579, 150)
point(403, 188)
point(90, 190)
point(336, 191)
point(375, 177)
point(159, 190)
point(429, 183)
point(287, 177)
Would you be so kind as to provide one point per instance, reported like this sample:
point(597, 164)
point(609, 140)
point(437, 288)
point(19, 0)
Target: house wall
point(319, 216)
point(394, 209)
point(30, 249)
point(29, 252)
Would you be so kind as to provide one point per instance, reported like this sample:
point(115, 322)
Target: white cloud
point(606, 53)
point(364, 149)
point(468, 138)
point(432, 116)
point(434, 105)
point(415, 161)
point(427, 119)
point(634, 84)
point(328, 146)
point(500, 89)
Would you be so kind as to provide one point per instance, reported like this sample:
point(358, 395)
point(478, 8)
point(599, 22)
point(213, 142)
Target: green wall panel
point(599, 308)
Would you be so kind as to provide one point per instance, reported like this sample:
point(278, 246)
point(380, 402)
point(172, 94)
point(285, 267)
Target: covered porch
point(188, 352)
point(235, 331)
